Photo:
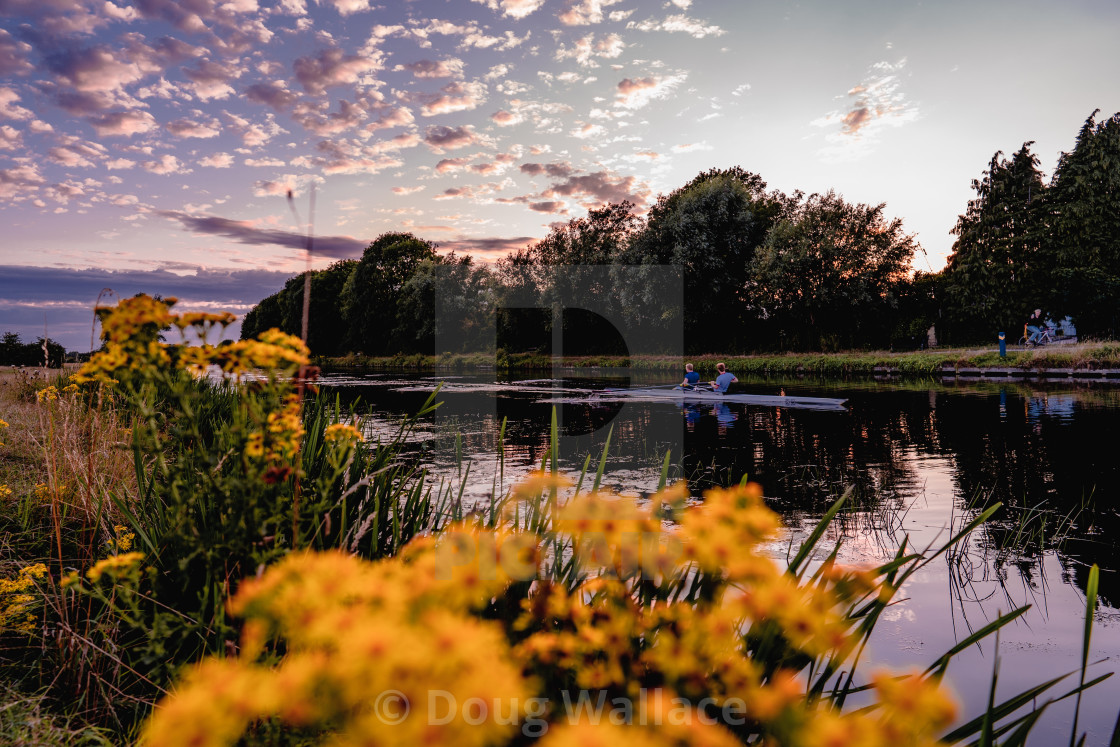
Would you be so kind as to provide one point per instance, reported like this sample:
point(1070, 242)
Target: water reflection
point(922, 458)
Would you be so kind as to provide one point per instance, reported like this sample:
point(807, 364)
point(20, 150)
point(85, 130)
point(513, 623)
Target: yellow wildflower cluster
point(366, 645)
point(910, 709)
point(416, 624)
point(2, 426)
point(279, 440)
point(115, 566)
point(5, 491)
point(47, 394)
point(131, 334)
point(122, 539)
point(17, 602)
point(615, 533)
point(342, 432)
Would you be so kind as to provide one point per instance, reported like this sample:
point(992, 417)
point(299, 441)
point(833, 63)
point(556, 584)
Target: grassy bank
point(1080, 356)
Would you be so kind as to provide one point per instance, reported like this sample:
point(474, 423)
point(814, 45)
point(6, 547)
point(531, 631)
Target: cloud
point(449, 68)
point(502, 118)
point(77, 154)
point(454, 97)
point(73, 292)
point(186, 128)
point(217, 161)
point(398, 117)
point(15, 56)
point(273, 93)
point(451, 165)
point(554, 207)
point(441, 138)
point(487, 249)
point(10, 138)
point(600, 187)
point(245, 232)
point(587, 48)
point(871, 105)
point(127, 123)
point(678, 24)
point(9, 109)
point(210, 80)
point(348, 7)
point(167, 164)
point(407, 190)
point(638, 92)
point(513, 8)
point(471, 35)
point(20, 182)
point(585, 12)
point(560, 169)
point(96, 69)
point(333, 67)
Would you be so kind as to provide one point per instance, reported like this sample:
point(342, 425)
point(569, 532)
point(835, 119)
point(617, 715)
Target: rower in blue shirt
point(723, 380)
point(691, 378)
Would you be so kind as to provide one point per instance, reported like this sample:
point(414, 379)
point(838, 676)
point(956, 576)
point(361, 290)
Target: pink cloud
point(450, 68)
point(217, 161)
point(502, 118)
point(123, 123)
point(9, 109)
point(14, 56)
point(186, 128)
point(440, 138)
point(273, 93)
point(513, 8)
point(332, 67)
point(395, 118)
point(167, 164)
point(585, 12)
point(451, 165)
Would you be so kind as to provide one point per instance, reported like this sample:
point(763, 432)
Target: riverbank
point(1088, 359)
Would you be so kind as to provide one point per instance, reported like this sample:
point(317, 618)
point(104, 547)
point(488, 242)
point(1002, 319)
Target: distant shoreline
point(1090, 360)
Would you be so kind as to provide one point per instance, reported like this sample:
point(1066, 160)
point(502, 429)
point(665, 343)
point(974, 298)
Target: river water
point(922, 459)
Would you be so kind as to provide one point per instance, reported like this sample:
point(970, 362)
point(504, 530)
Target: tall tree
point(828, 273)
point(709, 229)
point(371, 295)
point(999, 268)
point(1086, 205)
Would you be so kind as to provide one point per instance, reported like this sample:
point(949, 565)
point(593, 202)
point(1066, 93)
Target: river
point(921, 458)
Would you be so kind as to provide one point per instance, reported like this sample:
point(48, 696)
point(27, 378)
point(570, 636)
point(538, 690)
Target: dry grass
point(78, 449)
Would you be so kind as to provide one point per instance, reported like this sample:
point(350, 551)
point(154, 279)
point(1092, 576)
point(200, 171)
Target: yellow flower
point(5, 491)
point(342, 432)
point(2, 425)
point(49, 394)
point(115, 565)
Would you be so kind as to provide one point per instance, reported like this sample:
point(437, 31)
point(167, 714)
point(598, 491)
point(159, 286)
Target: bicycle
point(1045, 337)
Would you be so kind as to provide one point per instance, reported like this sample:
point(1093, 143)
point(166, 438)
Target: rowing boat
point(707, 395)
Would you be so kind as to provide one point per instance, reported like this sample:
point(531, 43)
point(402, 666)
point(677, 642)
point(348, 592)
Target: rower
point(723, 380)
point(691, 378)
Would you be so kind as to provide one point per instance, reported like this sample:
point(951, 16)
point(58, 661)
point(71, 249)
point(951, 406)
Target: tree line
point(758, 270)
point(15, 352)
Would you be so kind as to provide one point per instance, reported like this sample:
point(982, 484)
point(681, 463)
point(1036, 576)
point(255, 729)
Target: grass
point(1085, 355)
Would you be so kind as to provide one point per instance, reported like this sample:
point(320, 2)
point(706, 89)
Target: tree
point(828, 273)
point(371, 294)
point(999, 268)
point(264, 316)
point(452, 295)
point(710, 229)
point(1085, 201)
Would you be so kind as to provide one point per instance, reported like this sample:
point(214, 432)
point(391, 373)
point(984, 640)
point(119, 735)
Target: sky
point(149, 146)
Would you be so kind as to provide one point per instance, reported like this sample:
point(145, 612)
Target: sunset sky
point(149, 145)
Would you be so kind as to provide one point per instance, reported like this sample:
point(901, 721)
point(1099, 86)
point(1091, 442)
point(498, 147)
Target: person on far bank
point(691, 378)
point(723, 380)
point(1034, 326)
